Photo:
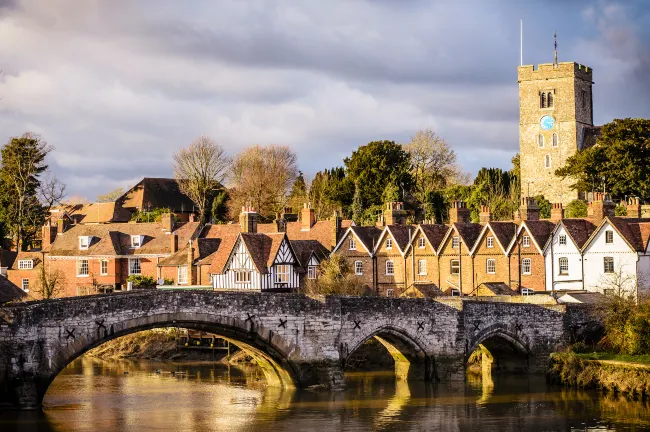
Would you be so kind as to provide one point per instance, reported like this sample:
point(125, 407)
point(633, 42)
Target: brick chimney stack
point(307, 217)
point(248, 220)
point(61, 226)
point(394, 214)
point(602, 207)
point(528, 209)
point(486, 215)
point(48, 236)
point(459, 213)
point(167, 221)
point(557, 212)
point(633, 207)
point(174, 242)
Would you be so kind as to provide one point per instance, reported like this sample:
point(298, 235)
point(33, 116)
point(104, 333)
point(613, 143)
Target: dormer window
point(25, 264)
point(136, 241)
point(84, 242)
point(389, 243)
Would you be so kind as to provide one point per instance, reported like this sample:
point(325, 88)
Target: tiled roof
point(92, 213)
point(498, 288)
point(579, 229)
point(9, 291)
point(468, 232)
point(402, 234)
point(37, 257)
point(540, 230)
point(504, 232)
point(221, 255)
point(262, 248)
point(368, 235)
point(152, 193)
point(582, 297)
point(635, 231)
point(427, 290)
point(435, 233)
point(7, 258)
point(305, 248)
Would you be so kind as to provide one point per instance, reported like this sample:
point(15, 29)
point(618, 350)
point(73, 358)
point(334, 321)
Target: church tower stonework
point(555, 106)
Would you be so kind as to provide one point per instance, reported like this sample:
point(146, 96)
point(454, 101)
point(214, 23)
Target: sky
point(117, 86)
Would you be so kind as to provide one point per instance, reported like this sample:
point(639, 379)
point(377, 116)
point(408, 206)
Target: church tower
point(555, 107)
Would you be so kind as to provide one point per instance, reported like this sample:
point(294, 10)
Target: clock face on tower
point(547, 122)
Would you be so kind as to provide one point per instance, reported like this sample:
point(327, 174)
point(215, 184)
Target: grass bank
point(608, 372)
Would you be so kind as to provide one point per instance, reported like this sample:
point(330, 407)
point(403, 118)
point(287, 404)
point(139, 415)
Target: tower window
point(554, 140)
point(546, 99)
point(540, 140)
point(549, 99)
point(547, 161)
point(542, 101)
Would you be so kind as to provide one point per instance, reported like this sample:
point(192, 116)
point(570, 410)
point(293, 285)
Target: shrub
point(620, 210)
point(576, 209)
point(335, 277)
point(140, 281)
point(627, 326)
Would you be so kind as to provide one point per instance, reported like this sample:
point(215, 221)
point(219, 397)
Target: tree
point(357, 205)
point(576, 209)
point(51, 192)
point(200, 170)
point(335, 277)
point(331, 190)
point(377, 164)
point(433, 163)
point(110, 196)
point(298, 195)
point(220, 207)
point(544, 206)
point(50, 283)
point(23, 162)
point(263, 176)
point(617, 160)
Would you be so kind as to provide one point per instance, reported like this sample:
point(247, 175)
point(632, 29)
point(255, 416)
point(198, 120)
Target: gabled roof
point(152, 193)
point(539, 231)
point(468, 233)
point(262, 248)
point(401, 234)
point(91, 213)
point(498, 288)
point(306, 248)
point(635, 232)
point(9, 291)
point(434, 233)
point(222, 255)
point(367, 235)
point(37, 257)
point(578, 230)
point(504, 232)
point(204, 249)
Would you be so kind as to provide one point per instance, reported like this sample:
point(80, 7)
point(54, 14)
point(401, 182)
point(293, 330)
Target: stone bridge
point(297, 340)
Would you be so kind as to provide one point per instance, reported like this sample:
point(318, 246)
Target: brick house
point(357, 245)
point(391, 260)
point(422, 270)
point(23, 270)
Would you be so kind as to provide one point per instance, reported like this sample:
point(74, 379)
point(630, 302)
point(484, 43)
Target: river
point(95, 395)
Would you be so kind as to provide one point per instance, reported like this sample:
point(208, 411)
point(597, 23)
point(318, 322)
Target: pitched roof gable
point(306, 248)
point(579, 230)
point(152, 193)
point(504, 232)
point(364, 234)
point(539, 231)
point(468, 232)
point(401, 234)
point(434, 233)
point(635, 232)
point(222, 255)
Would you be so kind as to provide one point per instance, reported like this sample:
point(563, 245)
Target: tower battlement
point(550, 71)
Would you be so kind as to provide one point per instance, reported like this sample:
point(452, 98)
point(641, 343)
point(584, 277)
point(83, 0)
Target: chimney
point(167, 221)
point(48, 236)
point(633, 207)
point(61, 226)
point(307, 217)
point(174, 243)
point(191, 273)
point(528, 209)
point(248, 220)
point(394, 214)
point(288, 215)
point(336, 229)
point(192, 217)
point(602, 207)
point(280, 223)
point(458, 213)
point(557, 212)
point(486, 215)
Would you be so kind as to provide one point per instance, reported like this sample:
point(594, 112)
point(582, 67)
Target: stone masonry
point(297, 340)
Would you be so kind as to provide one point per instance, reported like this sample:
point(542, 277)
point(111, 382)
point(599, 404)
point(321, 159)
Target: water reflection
point(93, 395)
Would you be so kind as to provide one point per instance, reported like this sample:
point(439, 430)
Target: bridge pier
point(22, 393)
point(450, 368)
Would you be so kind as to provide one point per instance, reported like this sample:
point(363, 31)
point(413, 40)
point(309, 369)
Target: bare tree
point(110, 196)
point(50, 283)
point(621, 283)
point(200, 170)
point(263, 176)
point(433, 162)
point(51, 191)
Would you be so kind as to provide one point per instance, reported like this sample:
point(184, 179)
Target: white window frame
point(282, 273)
point(25, 264)
point(455, 242)
point(390, 268)
point(103, 267)
point(80, 268)
point(527, 266)
point(352, 244)
point(311, 272)
point(563, 266)
point(132, 266)
point(84, 242)
point(455, 292)
point(24, 284)
point(490, 242)
point(181, 275)
point(422, 267)
point(562, 240)
point(490, 266)
point(390, 292)
point(525, 241)
point(358, 268)
point(452, 267)
point(136, 241)
point(607, 262)
point(609, 237)
point(421, 243)
point(242, 276)
point(389, 243)
point(527, 291)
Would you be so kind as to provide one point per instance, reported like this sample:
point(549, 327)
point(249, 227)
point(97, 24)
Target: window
point(134, 266)
point(455, 293)
point(422, 267)
point(608, 291)
point(389, 243)
point(454, 267)
point(525, 241)
point(25, 264)
point(454, 242)
point(527, 291)
point(563, 266)
point(421, 242)
point(242, 276)
point(490, 242)
point(547, 161)
point(608, 263)
point(526, 266)
point(182, 275)
point(390, 268)
point(563, 240)
point(103, 267)
point(25, 285)
point(490, 266)
point(609, 237)
point(311, 272)
point(554, 140)
point(546, 99)
point(135, 241)
point(542, 100)
point(352, 244)
point(549, 100)
point(358, 268)
point(82, 267)
point(540, 141)
point(390, 292)
point(83, 242)
point(282, 273)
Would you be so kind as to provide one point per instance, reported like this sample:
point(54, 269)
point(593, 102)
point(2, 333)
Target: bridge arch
point(410, 357)
point(510, 350)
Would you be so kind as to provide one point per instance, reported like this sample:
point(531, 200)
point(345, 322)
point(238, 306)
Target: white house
point(563, 262)
point(616, 257)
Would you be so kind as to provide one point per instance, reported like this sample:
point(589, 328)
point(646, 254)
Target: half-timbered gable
point(489, 257)
point(526, 255)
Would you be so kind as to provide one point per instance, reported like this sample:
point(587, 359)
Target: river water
point(95, 395)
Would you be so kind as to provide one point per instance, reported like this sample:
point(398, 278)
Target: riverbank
point(629, 375)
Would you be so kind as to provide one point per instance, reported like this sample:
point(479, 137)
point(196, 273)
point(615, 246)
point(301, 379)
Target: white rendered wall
point(572, 280)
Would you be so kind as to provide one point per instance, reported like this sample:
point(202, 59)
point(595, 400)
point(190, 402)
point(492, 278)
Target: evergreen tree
point(220, 207)
point(357, 205)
